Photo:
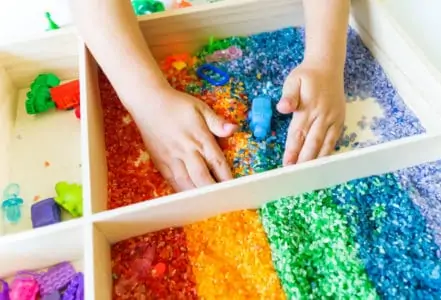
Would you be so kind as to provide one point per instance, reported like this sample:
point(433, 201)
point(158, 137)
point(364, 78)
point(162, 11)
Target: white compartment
point(36, 151)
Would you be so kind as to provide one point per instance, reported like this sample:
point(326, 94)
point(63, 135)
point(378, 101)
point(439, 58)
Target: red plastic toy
point(66, 96)
point(78, 112)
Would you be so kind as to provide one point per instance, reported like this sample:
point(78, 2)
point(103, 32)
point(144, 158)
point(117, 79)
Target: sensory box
point(88, 240)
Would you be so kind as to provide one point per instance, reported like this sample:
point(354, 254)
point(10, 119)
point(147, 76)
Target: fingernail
point(229, 126)
point(285, 100)
point(285, 103)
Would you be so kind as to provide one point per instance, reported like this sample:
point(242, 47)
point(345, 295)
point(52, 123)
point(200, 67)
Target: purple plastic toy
point(75, 290)
point(45, 212)
point(4, 290)
point(56, 277)
point(54, 296)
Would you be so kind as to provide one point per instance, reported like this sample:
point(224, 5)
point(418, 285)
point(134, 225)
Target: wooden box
point(86, 241)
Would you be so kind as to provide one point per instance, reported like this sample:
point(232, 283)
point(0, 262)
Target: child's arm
point(314, 91)
point(177, 128)
point(326, 32)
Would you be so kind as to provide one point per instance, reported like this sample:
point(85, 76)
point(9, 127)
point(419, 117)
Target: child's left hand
point(314, 94)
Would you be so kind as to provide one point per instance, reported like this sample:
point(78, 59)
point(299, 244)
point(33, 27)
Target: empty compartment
point(41, 136)
point(374, 237)
point(386, 109)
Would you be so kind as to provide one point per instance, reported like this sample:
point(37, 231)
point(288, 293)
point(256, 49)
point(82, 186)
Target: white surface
point(53, 137)
point(42, 248)
point(422, 22)
point(420, 19)
point(25, 18)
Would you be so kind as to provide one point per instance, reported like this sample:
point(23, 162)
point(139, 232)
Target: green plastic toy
point(39, 98)
point(70, 197)
point(222, 44)
point(49, 79)
point(52, 24)
point(143, 7)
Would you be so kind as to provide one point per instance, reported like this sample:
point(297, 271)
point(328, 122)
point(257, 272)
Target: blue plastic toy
point(12, 203)
point(208, 68)
point(260, 116)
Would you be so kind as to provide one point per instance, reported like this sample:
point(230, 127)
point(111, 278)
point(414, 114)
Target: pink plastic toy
point(24, 288)
point(56, 278)
point(231, 53)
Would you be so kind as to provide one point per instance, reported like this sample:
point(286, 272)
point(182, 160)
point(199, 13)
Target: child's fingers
point(181, 176)
point(198, 170)
point(216, 124)
point(175, 172)
point(297, 130)
point(331, 139)
point(290, 95)
point(216, 160)
point(314, 141)
point(213, 155)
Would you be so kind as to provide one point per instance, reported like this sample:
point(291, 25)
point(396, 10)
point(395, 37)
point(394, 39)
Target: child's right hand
point(178, 132)
point(314, 94)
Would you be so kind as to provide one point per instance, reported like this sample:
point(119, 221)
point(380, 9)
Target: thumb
point(216, 124)
point(290, 95)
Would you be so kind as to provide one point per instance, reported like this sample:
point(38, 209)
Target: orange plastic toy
point(66, 96)
point(178, 61)
point(183, 3)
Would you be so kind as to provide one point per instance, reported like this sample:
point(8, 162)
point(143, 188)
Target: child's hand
point(315, 96)
point(178, 132)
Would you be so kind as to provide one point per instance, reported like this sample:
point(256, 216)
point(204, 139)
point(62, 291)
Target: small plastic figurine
point(54, 296)
point(24, 288)
point(52, 24)
point(75, 289)
point(12, 203)
point(223, 44)
point(78, 112)
point(145, 7)
point(4, 290)
point(45, 212)
point(56, 278)
point(39, 98)
point(47, 79)
point(230, 53)
point(260, 116)
point(215, 73)
point(66, 96)
point(178, 61)
point(70, 197)
point(182, 4)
